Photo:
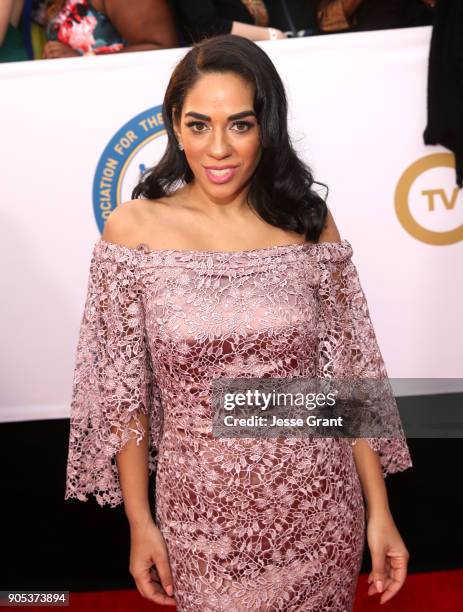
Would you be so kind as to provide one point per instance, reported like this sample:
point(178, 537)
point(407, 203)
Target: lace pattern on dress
point(348, 346)
point(113, 382)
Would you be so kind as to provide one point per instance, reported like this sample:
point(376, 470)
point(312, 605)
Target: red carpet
point(424, 592)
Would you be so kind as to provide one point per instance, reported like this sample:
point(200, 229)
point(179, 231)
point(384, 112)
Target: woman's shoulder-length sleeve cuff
point(113, 384)
point(337, 251)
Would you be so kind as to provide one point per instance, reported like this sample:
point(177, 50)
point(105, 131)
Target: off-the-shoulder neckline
point(274, 249)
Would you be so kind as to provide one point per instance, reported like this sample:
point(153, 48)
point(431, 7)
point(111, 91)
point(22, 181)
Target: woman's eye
point(238, 126)
point(243, 125)
point(196, 124)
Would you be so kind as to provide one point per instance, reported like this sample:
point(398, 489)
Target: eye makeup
point(246, 124)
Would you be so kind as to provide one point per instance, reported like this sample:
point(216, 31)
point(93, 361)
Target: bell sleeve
point(113, 383)
point(347, 343)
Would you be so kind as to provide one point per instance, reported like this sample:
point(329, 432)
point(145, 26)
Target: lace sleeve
point(113, 380)
point(348, 347)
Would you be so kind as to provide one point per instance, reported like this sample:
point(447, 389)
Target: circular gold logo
point(435, 197)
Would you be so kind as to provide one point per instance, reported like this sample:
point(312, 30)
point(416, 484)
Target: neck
point(235, 204)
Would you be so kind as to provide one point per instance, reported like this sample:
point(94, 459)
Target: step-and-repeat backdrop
point(75, 134)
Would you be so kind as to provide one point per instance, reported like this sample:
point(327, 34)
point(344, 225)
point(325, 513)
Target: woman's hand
point(54, 48)
point(280, 34)
point(389, 556)
point(148, 548)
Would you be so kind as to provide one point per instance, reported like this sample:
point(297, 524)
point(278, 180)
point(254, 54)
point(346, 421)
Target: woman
point(358, 15)
point(12, 48)
point(229, 267)
point(247, 18)
point(96, 27)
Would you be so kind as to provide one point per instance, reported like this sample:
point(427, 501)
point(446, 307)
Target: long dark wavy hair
point(281, 186)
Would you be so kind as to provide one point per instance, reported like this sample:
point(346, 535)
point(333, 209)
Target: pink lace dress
point(274, 524)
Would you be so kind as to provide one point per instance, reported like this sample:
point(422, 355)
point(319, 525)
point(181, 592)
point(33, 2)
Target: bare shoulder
point(126, 223)
point(330, 232)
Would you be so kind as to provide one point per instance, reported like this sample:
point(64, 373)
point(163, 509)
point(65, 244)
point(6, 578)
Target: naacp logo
point(136, 146)
point(426, 206)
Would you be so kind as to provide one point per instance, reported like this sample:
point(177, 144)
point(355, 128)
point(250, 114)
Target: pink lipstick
point(220, 174)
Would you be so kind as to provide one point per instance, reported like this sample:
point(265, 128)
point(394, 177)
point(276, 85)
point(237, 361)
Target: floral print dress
point(84, 29)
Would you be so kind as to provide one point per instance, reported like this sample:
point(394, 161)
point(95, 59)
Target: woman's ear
point(175, 123)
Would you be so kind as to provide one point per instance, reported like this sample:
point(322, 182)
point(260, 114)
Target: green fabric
point(38, 40)
point(13, 49)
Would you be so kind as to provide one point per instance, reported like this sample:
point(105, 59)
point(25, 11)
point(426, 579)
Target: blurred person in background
point(12, 48)
point(38, 19)
point(247, 18)
point(359, 15)
point(96, 27)
point(295, 17)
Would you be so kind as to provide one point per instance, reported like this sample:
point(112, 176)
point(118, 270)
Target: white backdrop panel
point(357, 113)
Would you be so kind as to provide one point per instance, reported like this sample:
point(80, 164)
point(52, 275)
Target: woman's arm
point(389, 555)
point(330, 232)
point(202, 19)
point(366, 460)
point(147, 545)
point(253, 32)
point(6, 10)
point(144, 24)
point(333, 15)
point(371, 479)
point(132, 465)
point(132, 460)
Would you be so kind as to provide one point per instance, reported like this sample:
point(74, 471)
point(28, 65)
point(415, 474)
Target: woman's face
point(220, 134)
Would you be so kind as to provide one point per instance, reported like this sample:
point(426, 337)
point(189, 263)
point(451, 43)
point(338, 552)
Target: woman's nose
point(219, 145)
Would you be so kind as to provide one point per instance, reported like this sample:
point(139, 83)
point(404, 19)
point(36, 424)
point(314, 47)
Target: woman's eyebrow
point(240, 115)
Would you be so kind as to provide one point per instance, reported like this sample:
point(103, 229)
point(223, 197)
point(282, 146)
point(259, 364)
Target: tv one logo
point(427, 210)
